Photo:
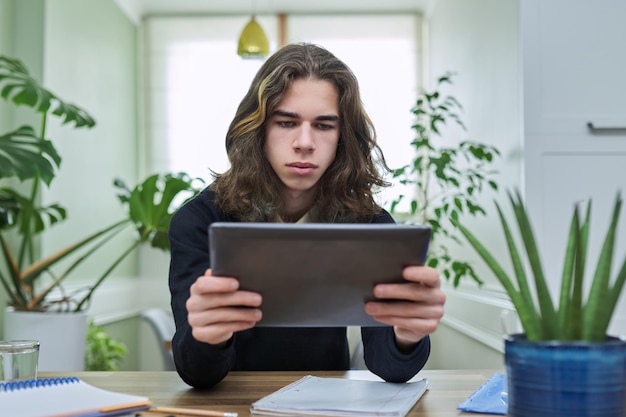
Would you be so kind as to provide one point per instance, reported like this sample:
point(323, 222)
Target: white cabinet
point(574, 73)
point(574, 59)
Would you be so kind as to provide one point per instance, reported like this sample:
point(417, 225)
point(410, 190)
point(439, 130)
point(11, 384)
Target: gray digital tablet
point(315, 274)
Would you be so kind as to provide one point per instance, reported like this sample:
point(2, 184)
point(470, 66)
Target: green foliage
point(575, 318)
point(22, 89)
point(151, 205)
point(26, 154)
point(103, 353)
point(447, 180)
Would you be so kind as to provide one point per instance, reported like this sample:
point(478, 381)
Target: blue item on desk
point(490, 398)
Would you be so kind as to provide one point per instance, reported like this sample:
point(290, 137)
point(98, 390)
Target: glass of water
point(18, 360)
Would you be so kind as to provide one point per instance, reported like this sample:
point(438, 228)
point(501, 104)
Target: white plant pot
point(62, 337)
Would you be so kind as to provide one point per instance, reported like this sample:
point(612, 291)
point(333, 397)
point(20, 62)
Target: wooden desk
point(447, 389)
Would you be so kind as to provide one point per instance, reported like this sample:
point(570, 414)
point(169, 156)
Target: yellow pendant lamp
point(253, 42)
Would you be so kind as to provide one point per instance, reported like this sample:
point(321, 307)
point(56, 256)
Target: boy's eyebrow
point(285, 113)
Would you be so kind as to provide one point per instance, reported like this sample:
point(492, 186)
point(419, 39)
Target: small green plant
point(103, 352)
point(575, 318)
point(447, 180)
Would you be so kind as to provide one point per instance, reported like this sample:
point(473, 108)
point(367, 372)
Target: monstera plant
point(29, 161)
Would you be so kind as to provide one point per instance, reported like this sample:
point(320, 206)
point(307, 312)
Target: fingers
point(422, 274)
point(209, 328)
point(423, 319)
point(213, 292)
point(210, 284)
point(412, 321)
point(423, 285)
point(216, 308)
point(217, 316)
point(414, 308)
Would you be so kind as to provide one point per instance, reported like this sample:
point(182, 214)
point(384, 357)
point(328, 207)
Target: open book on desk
point(65, 397)
point(317, 396)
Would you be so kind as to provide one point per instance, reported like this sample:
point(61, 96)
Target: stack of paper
point(316, 396)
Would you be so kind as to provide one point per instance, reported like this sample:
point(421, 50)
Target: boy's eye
point(285, 123)
point(323, 126)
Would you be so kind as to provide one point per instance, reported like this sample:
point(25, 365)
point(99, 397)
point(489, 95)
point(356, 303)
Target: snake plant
point(579, 315)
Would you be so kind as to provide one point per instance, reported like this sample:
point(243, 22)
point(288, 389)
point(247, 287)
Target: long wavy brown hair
point(251, 191)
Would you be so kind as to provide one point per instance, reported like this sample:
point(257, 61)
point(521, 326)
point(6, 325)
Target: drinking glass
point(18, 360)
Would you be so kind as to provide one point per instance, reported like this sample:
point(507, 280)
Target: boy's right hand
point(216, 308)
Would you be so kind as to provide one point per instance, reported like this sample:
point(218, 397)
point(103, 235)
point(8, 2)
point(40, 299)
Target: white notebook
point(65, 397)
point(318, 396)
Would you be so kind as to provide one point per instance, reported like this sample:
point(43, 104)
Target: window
point(196, 80)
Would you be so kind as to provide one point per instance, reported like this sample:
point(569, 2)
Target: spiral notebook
point(65, 397)
point(341, 397)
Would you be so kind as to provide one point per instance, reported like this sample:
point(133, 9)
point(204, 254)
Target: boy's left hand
point(416, 308)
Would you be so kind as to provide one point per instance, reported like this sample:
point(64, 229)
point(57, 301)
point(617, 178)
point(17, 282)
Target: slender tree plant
point(446, 179)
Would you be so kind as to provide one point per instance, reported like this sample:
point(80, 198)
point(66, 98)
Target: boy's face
point(302, 135)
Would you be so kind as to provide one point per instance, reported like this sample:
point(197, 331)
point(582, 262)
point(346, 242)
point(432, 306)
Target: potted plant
point(446, 179)
point(30, 280)
point(104, 353)
point(564, 363)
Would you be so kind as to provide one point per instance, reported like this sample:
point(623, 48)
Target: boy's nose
point(304, 138)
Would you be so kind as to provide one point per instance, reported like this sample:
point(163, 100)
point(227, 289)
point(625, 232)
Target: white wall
point(478, 40)
point(6, 18)
point(88, 63)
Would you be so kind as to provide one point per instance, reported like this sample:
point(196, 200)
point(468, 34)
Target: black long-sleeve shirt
point(203, 365)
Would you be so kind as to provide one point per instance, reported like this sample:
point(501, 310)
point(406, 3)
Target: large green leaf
point(546, 306)
point(528, 315)
point(9, 209)
point(151, 203)
point(17, 86)
point(26, 156)
point(570, 299)
point(599, 308)
point(18, 210)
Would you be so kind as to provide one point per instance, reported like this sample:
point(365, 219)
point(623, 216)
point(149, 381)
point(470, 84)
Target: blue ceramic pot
point(558, 379)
